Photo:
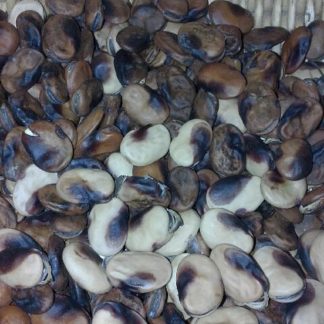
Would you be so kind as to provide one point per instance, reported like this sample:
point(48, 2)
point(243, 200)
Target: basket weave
point(285, 13)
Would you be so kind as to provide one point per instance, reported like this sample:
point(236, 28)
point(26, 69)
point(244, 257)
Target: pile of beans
point(162, 161)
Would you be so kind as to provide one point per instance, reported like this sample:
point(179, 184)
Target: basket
point(284, 13)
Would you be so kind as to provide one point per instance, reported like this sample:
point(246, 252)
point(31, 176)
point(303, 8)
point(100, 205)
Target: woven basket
point(285, 13)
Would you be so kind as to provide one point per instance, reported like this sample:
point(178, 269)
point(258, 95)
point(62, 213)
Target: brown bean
point(316, 49)
point(264, 38)
point(202, 41)
point(86, 97)
point(5, 295)
point(115, 12)
point(295, 48)
point(227, 150)
point(225, 12)
point(178, 90)
point(29, 25)
point(173, 10)
point(9, 38)
point(48, 146)
point(35, 300)
point(93, 14)
point(184, 186)
point(146, 15)
point(259, 108)
point(294, 159)
point(263, 66)
point(75, 74)
point(50, 199)
point(222, 80)
point(22, 70)
point(281, 232)
point(233, 39)
point(15, 158)
point(54, 84)
point(205, 106)
point(99, 143)
point(25, 108)
point(168, 43)
point(133, 38)
point(13, 314)
point(72, 8)
point(130, 68)
point(300, 119)
point(61, 38)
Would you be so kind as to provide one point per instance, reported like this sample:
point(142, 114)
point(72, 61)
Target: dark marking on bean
point(138, 280)
point(184, 278)
point(118, 227)
point(243, 262)
point(232, 222)
point(226, 189)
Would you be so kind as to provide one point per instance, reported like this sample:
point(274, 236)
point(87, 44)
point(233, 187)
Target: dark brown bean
point(146, 15)
point(202, 41)
point(86, 97)
point(15, 159)
point(205, 106)
point(130, 68)
point(75, 74)
point(178, 90)
point(48, 146)
point(281, 232)
point(260, 39)
point(184, 186)
point(93, 14)
point(233, 39)
point(34, 300)
point(173, 10)
point(168, 43)
point(61, 38)
point(29, 25)
point(263, 66)
point(54, 84)
point(133, 39)
point(64, 310)
point(225, 12)
point(13, 314)
point(259, 108)
point(300, 119)
point(222, 80)
point(116, 12)
point(295, 48)
point(22, 70)
point(227, 150)
point(294, 159)
point(87, 46)
point(9, 38)
point(99, 143)
point(49, 198)
point(72, 8)
point(316, 49)
point(25, 108)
